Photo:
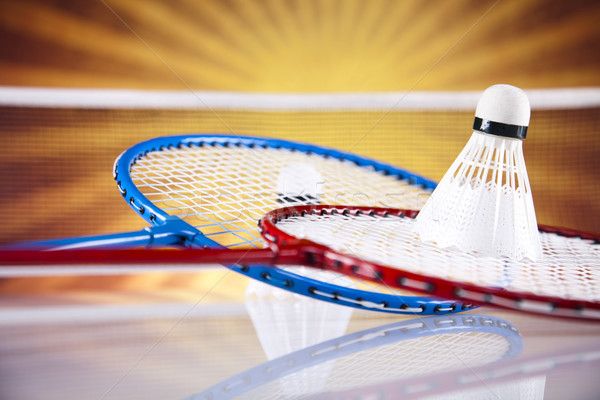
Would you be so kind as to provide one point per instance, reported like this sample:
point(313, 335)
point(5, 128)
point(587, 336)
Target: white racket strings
point(568, 269)
point(224, 190)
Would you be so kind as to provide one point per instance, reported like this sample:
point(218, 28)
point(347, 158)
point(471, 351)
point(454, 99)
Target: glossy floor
point(276, 345)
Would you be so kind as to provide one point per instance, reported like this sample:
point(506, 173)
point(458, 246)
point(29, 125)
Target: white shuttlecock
point(286, 322)
point(484, 201)
point(299, 183)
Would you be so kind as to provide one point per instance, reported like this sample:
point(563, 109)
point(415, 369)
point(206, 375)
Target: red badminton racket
point(379, 245)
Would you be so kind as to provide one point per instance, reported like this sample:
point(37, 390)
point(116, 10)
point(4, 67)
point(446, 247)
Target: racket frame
point(325, 258)
point(334, 349)
point(163, 225)
point(287, 249)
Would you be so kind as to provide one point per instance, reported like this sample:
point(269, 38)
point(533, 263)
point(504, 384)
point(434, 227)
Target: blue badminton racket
point(405, 349)
point(522, 377)
point(208, 191)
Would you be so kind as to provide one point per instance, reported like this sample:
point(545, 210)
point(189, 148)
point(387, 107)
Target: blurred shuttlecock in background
point(285, 321)
point(484, 201)
point(299, 183)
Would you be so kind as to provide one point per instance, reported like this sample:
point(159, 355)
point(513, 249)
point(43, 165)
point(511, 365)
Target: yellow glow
point(301, 46)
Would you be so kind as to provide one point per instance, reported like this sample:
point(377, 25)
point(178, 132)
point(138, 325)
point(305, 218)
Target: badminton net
point(61, 145)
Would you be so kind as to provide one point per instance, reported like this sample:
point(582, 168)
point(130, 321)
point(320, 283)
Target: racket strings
point(390, 362)
point(218, 176)
point(569, 268)
point(223, 191)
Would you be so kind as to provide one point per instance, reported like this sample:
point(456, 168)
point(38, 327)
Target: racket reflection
point(399, 350)
point(521, 378)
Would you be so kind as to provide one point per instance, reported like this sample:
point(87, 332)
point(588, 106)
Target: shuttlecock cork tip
point(503, 110)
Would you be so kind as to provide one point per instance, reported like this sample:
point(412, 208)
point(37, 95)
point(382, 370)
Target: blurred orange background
point(300, 45)
point(56, 180)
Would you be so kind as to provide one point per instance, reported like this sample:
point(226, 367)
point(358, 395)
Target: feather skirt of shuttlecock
point(484, 202)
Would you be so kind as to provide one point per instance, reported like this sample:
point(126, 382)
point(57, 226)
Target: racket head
point(520, 377)
point(381, 354)
point(242, 171)
point(379, 244)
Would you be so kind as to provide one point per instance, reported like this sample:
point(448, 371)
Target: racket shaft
point(172, 232)
point(302, 254)
point(82, 257)
point(125, 240)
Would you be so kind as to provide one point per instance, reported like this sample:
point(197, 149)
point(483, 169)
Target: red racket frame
point(285, 249)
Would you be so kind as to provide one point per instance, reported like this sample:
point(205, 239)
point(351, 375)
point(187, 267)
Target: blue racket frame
point(163, 226)
point(276, 276)
point(360, 341)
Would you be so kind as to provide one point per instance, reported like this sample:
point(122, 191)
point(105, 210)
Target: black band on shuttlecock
point(499, 128)
point(301, 199)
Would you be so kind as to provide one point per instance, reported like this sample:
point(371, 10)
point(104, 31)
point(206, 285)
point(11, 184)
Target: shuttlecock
point(286, 322)
point(299, 183)
point(484, 201)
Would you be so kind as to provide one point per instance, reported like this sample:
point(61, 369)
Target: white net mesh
point(484, 202)
point(569, 267)
point(63, 143)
